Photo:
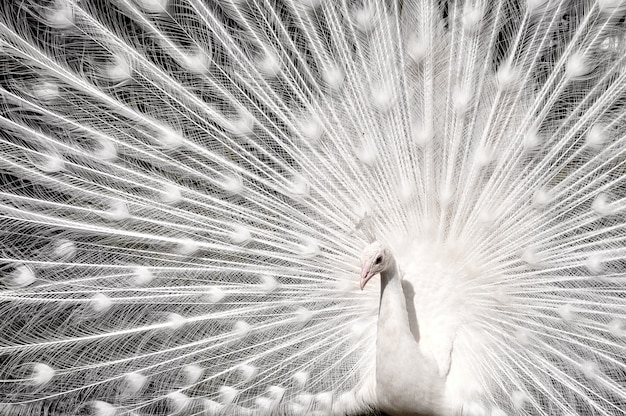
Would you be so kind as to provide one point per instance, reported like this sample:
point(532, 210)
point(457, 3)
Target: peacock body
point(187, 187)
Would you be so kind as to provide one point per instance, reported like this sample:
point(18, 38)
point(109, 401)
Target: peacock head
point(376, 258)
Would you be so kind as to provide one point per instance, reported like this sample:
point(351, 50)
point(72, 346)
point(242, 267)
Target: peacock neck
point(392, 311)
point(407, 382)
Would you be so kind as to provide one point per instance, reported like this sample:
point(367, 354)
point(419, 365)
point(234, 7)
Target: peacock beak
point(366, 275)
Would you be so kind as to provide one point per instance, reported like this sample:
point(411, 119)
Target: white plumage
point(409, 381)
point(187, 187)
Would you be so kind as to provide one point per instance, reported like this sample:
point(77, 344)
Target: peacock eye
point(378, 260)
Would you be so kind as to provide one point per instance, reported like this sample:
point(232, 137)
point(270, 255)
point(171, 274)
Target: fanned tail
point(187, 186)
